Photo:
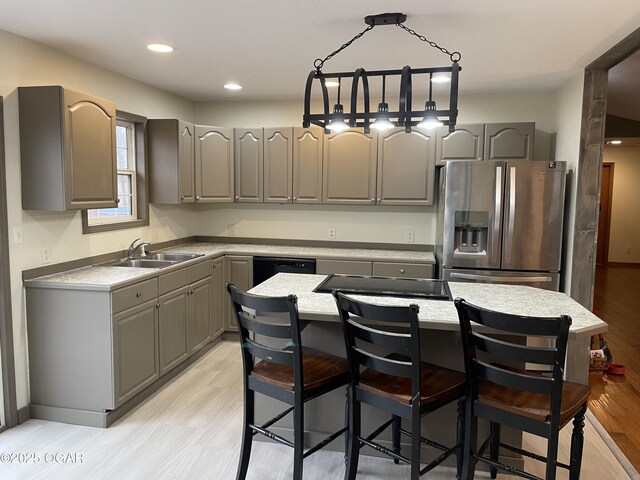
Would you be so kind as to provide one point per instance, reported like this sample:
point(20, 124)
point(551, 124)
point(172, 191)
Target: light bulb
point(429, 123)
point(382, 124)
point(337, 126)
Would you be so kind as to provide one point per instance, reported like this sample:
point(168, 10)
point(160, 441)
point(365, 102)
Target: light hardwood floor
point(615, 400)
point(191, 430)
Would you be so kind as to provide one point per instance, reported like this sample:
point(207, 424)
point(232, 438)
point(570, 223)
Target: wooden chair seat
point(319, 369)
point(437, 384)
point(533, 405)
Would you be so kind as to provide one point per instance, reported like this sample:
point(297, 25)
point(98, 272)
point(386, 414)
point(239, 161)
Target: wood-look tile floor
point(191, 430)
point(615, 400)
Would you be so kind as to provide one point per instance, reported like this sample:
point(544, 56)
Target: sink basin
point(172, 257)
point(142, 263)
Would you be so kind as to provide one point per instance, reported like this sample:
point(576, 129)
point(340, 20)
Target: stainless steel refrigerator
point(501, 222)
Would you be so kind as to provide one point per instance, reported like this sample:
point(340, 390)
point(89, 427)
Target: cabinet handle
point(295, 198)
point(237, 197)
point(402, 270)
point(157, 306)
point(479, 158)
point(379, 199)
point(117, 201)
point(182, 197)
point(197, 197)
point(288, 198)
point(138, 294)
point(373, 199)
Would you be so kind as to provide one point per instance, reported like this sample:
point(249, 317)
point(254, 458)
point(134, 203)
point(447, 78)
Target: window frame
point(140, 186)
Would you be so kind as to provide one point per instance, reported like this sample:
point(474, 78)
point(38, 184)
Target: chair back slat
point(395, 341)
point(517, 353)
point(263, 327)
point(390, 366)
point(260, 303)
point(518, 380)
point(515, 324)
point(282, 357)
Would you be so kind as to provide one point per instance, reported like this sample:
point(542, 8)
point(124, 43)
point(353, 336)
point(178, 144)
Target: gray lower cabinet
point(135, 350)
point(239, 271)
point(278, 165)
point(509, 141)
point(406, 167)
point(171, 161)
point(349, 168)
point(218, 297)
point(346, 267)
point(173, 329)
point(249, 165)
point(214, 168)
point(307, 165)
point(67, 149)
point(409, 270)
point(465, 143)
point(199, 314)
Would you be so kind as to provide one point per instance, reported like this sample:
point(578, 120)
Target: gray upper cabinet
point(509, 141)
point(249, 164)
point(214, 164)
point(67, 149)
point(171, 161)
point(278, 165)
point(406, 167)
point(465, 143)
point(349, 167)
point(307, 165)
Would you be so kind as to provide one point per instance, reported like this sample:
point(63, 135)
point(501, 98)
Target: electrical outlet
point(231, 229)
point(332, 232)
point(629, 250)
point(46, 254)
point(411, 236)
point(17, 234)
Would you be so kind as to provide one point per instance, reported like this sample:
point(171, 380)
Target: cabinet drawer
point(133, 295)
point(347, 267)
point(173, 281)
point(409, 270)
point(199, 271)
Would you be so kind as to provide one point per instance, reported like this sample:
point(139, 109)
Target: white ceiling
point(269, 45)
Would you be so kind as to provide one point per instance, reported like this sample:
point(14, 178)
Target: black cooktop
point(386, 286)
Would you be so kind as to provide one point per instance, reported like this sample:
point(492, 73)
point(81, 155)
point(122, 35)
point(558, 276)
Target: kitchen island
point(440, 343)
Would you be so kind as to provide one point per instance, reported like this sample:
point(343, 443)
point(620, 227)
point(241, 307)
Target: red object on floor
point(615, 369)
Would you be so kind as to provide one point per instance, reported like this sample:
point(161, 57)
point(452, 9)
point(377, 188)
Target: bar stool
point(398, 383)
point(294, 375)
point(521, 399)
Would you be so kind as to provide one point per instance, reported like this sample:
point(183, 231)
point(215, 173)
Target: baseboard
point(24, 414)
point(231, 336)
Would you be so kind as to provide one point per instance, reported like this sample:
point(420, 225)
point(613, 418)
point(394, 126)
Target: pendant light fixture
point(360, 114)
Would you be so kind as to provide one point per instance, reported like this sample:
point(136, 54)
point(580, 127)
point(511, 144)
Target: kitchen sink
point(172, 257)
point(142, 263)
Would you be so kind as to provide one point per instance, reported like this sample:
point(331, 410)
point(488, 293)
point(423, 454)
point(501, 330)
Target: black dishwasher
point(267, 267)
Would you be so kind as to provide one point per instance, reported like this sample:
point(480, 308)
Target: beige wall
point(24, 62)
point(372, 224)
point(624, 239)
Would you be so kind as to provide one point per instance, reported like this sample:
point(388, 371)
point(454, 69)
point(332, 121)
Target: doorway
point(604, 222)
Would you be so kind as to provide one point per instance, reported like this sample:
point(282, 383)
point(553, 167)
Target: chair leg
point(353, 452)
point(469, 442)
point(577, 441)
point(495, 447)
point(247, 435)
point(298, 439)
point(552, 455)
point(347, 406)
point(460, 439)
point(395, 436)
point(415, 442)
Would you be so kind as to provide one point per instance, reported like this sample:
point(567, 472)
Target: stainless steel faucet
point(134, 247)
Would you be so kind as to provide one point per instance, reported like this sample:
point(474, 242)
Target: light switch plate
point(332, 232)
point(46, 254)
point(411, 236)
point(17, 234)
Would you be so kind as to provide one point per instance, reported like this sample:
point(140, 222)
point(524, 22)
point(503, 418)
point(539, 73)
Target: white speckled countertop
point(102, 277)
point(439, 314)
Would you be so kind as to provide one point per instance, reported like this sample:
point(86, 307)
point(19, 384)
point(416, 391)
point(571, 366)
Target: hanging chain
point(318, 63)
point(455, 56)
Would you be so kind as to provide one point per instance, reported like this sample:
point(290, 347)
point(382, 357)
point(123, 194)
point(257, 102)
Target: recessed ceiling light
point(160, 47)
point(331, 83)
point(615, 142)
point(232, 86)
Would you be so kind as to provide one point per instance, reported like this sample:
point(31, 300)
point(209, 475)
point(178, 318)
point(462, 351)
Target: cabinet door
point(349, 168)
point(307, 165)
point(240, 273)
point(90, 152)
point(199, 314)
point(249, 164)
point(173, 329)
point(406, 167)
point(185, 162)
point(344, 267)
point(509, 141)
point(214, 164)
point(278, 165)
point(135, 350)
point(218, 295)
point(465, 143)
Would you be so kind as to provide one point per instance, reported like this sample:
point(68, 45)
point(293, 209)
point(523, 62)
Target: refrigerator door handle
point(500, 279)
point(512, 213)
point(497, 217)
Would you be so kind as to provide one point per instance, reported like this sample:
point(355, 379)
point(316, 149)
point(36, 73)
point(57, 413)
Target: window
point(132, 209)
